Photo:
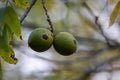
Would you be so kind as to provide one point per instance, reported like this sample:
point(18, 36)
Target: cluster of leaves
point(9, 26)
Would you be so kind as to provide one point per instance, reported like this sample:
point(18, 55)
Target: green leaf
point(11, 19)
point(10, 33)
point(6, 51)
point(2, 16)
point(10, 24)
point(22, 3)
point(10, 57)
point(114, 13)
point(4, 42)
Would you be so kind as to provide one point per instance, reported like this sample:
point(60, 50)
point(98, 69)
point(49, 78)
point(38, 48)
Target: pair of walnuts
point(41, 39)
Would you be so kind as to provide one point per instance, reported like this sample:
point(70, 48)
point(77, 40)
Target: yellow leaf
point(50, 4)
point(114, 13)
point(22, 3)
point(10, 56)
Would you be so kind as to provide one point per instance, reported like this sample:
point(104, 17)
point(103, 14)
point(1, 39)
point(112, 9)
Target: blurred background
point(88, 21)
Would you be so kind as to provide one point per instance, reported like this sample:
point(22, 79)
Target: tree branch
point(48, 17)
point(96, 22)
point(27, 11)
point(102, 32)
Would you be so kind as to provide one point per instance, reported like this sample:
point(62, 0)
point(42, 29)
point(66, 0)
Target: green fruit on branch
point(40, 39)
point(65, 43)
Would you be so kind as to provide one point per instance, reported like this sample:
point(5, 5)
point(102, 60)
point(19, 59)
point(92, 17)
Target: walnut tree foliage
point(10, 24)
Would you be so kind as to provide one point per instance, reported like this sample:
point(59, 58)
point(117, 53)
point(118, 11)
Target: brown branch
point(48, 17)
point(27, 11)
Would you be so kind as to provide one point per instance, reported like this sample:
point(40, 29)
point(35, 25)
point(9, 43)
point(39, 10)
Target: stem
point(27, 11)
point(48, 17)
point(99, 26)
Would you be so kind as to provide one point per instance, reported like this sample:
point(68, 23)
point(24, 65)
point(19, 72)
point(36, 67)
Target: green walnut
point(65, 43)
point(40, 39)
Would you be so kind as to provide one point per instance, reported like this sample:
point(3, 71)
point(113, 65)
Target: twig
point(88, 8)
point(27, 11)
point(99, 26)
point(96, 22)
point(48, 17)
